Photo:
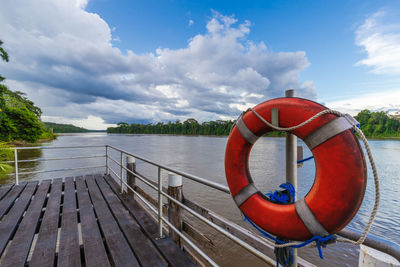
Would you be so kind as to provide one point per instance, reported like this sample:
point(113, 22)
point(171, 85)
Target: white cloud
point(64, 59)
point(191, 22)
point(379, 36)
point(81, 3)
point(382, 101)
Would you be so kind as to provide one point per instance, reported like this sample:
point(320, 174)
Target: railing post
point(175, 214)
point(107, 170)
point(291, 164)
point(130, 178)
point(121, 172)
point(160, 204)
point(16, 166)
point(372, 257)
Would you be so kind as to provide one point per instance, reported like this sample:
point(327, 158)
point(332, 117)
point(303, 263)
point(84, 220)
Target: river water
point(204, 156)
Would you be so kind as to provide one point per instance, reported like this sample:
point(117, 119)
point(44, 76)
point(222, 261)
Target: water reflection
point(24, 166)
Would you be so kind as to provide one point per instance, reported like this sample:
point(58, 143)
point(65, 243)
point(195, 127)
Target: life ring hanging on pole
point(340, 178)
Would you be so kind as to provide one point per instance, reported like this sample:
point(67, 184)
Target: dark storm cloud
point(61, 50)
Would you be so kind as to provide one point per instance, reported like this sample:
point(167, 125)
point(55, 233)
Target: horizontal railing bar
point(60, 170)
point(115, 161)
point(119, 178)
point(141, 178)
point(205, 220)
point(195, 178)
point(373, 241)
point(383, 245)
point(254, 239)
point(150, 181)
point(187, 240)
point(48, 159)
point(220, 229)
point(52, 147)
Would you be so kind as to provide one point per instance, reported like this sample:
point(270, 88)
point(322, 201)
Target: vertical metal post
point(121, 173)
point(16, 166)
point(291, 164)
point(107, 170)
point(130, 178)
point(160, 204)
point(175, 212)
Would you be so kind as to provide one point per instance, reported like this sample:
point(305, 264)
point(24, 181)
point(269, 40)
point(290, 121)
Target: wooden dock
point(81, 221)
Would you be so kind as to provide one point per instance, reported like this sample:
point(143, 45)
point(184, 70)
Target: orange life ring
point(340, 179)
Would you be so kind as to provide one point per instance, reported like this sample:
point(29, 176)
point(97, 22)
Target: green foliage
point(4, 56)
point(5, 155)
point(18, 99)
point(64, 128)
point(21, 124)
point(188, 127)
point(378, 124)
point(46, 134)
point(19, 117)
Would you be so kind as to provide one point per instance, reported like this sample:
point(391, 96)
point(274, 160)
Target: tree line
point(379, 124)
point(65, 128)
point(188, 127)
point(373, 124)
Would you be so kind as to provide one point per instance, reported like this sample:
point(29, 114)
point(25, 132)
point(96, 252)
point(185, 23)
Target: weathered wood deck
point(81, 221)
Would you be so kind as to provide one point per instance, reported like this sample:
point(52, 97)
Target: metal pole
point(160, 222)
point(121, 173)
point(16, 166)
point(175, 212)
point(130, 178)
point(107, 170)
point(291, 164)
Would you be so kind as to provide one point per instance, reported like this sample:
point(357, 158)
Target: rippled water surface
point(204, 156)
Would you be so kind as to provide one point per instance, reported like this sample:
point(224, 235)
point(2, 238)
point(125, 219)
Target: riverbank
point(22, 143)
point(384, 138)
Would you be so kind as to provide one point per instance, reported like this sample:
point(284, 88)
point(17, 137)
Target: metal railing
point(375, 242)
point(160, 194)
point(16, 161)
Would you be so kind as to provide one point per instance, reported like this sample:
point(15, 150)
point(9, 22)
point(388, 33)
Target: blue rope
point(358, 126)
point(306, 159)
point(279, 197)
point(319, 240)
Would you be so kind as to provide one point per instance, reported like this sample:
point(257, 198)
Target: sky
point(94, 63)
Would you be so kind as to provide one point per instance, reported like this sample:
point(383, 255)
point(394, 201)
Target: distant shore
point(22, 143)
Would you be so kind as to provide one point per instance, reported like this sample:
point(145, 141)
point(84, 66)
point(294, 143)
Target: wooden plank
point(18, 251)
point(141, 245)
point(69, 253)
point(194, 233)
point(10, 222)
point(120, 251)
point(8, 200)
point(171, 252)
point(94, 250)
point(45, 249)
point(4, 190)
